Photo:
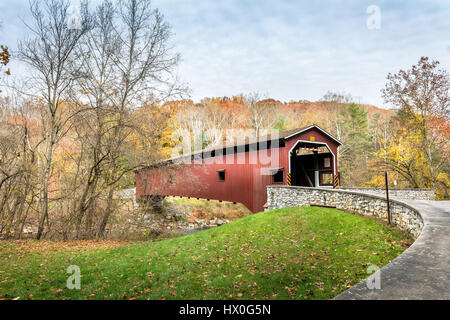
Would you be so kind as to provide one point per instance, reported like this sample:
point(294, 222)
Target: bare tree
point(218, 120)
point(17, 161)
point(192, 120)
point(144, 64)
point(263, 113)
point(98, 49)
point(333, 103)
point(49, 53)
point(129, 64)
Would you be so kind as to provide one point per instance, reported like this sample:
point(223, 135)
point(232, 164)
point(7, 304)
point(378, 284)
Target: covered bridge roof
point(280, 135)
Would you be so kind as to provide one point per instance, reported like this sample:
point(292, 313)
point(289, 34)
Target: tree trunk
point(106, 215)
point(46, 177)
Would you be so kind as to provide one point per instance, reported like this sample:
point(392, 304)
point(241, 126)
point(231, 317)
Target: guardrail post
point(387, 197)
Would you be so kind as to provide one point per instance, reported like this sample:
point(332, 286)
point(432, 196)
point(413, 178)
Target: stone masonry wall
point(403, 216)
point(413, 194)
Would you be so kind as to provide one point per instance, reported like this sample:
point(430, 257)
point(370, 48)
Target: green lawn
point(293, 253)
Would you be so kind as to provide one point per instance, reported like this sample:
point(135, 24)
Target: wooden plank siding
point(244, 182)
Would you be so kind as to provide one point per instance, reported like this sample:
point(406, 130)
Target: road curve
point(423, 270)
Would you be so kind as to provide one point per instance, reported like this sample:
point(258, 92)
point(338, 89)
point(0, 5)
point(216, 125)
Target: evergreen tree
point(357, 145)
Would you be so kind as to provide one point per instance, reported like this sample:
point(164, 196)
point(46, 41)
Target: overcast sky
point(290, 50)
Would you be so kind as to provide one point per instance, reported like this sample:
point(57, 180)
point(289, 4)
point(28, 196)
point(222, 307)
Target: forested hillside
point(101, 101)
point(374, 139)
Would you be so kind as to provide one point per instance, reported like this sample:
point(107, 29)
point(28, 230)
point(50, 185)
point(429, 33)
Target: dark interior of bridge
point(311, 165)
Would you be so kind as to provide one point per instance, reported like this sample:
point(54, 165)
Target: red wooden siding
point(244, 182)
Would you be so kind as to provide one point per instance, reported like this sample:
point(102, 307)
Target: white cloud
point(293, 49)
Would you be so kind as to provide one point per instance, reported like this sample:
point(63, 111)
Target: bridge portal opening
point(311, 164)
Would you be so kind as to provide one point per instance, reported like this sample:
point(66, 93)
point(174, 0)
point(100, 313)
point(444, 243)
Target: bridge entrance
point(311, 164)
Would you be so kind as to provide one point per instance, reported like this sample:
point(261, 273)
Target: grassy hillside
point(293, 253)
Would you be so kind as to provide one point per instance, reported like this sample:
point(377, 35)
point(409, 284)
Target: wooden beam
point(316, 170)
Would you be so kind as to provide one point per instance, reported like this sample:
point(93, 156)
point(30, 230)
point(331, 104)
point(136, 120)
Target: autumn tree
point(4, 58)
point(4, 55)
point(402, 154)
point(422, 94)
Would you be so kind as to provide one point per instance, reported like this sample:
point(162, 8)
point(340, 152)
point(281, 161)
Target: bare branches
point(262, 113)
point(422, 90)
point(17, 162)
point(125, 57)
point(50, 54)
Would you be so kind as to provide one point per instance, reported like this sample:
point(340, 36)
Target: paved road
point(423, 270)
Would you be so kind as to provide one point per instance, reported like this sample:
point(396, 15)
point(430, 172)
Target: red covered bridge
point(240, 172)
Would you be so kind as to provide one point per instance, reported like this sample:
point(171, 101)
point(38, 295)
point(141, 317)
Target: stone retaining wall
point(412, 194)
point(403, 216)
